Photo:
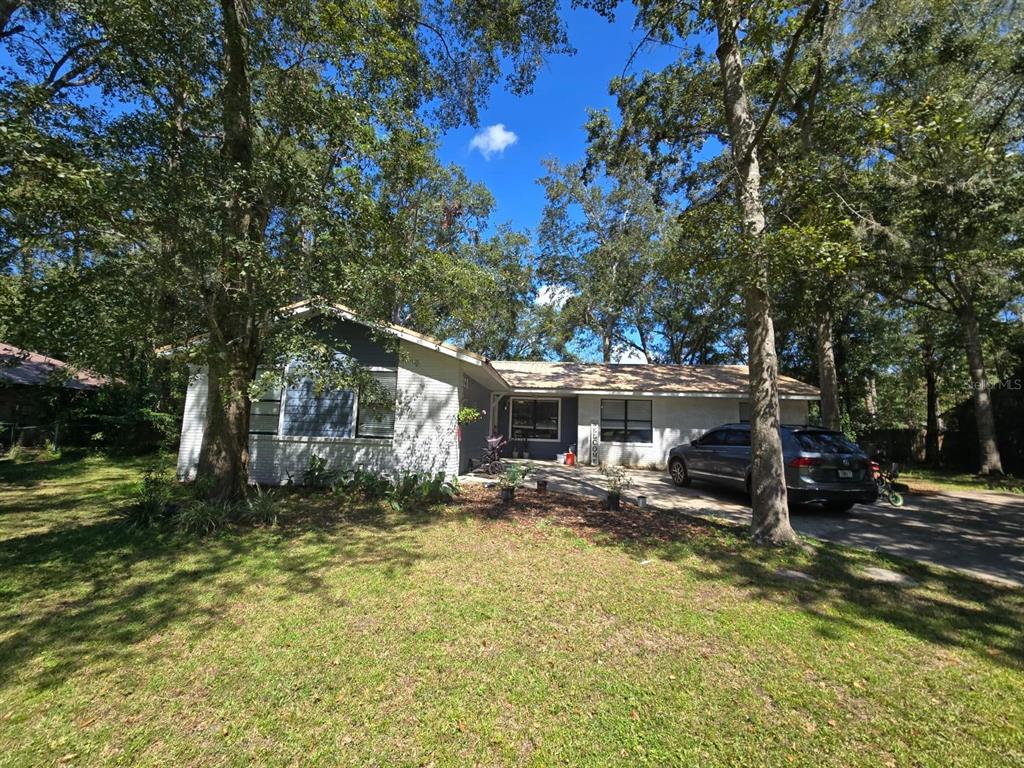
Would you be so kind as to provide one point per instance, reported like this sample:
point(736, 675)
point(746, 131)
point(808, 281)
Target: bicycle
point(886, 482)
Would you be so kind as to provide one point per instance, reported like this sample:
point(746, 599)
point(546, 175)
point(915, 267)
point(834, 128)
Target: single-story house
point(28, 381)
point(612, 413)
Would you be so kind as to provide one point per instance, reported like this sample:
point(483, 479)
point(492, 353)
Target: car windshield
point(825, 442)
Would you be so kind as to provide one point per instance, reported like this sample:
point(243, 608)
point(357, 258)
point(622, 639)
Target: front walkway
point(979, 533)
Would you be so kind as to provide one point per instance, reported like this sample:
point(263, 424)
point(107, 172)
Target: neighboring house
point(624, 413)
point(28, 383)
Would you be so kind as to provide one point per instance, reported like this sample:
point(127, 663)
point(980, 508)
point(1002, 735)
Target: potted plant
point(511, 479)
point(618, 480)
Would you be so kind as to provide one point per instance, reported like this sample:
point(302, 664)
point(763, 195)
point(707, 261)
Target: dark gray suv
point(822, 466)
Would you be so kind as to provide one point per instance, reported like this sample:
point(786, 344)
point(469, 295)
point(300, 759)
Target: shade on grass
point(350, 635)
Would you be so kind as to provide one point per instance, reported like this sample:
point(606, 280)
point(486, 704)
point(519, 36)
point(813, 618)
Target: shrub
point(152, 500)
point(203, 517)
point(415, 488)
point(261, 507)
point(514, 476)
point(319, 474)
point(617, 477)
point(410, 489)
point(368, 484)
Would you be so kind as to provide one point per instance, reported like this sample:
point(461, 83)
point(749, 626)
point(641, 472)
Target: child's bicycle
point(886, 482)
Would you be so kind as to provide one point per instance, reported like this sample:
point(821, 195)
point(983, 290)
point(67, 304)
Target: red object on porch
point(570, 459)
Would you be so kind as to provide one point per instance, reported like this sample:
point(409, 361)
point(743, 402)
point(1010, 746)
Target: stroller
point(490, 458)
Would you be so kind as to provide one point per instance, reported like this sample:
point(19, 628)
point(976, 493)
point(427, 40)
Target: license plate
point(845, 474)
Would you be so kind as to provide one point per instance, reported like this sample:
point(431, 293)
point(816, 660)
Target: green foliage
point(368, 484)
point(152, 502)
point(408, 491)
point(469, 415)
point(617, 478)
point(204, 516)
point(261, 506)
point(514, 476)
point(319, 473)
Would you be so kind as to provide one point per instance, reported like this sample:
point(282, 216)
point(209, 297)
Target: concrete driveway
point(979, 533)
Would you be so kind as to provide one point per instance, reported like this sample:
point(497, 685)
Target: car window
point(825, 442)
point(738, 437)
point(712, 438)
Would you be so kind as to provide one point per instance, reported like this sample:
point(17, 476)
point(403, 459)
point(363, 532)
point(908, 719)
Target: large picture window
point(535, 419)
point(338, 413)
point(626, 421)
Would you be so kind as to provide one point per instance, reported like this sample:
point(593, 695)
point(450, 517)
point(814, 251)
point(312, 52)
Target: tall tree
point(949, 85)
point(245, 158)
point(598, 241)
point(671, 116)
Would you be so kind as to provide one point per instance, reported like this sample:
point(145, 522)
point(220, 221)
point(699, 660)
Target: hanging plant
point(469, 415)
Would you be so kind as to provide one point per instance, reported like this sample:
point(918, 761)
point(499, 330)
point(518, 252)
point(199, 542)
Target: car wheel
point(839, 506)
point(677, 468)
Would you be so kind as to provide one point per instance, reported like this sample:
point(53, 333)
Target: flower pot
point(542, 486)
point(508, 495)
point(641, 501)
point(526, 454)
point(614, 501)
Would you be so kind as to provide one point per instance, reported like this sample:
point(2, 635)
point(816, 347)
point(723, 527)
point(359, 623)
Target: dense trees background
point(838, 188)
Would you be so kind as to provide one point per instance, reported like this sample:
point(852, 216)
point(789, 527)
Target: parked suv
point(822, 466)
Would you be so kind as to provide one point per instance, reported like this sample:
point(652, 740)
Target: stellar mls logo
point(1013, 385)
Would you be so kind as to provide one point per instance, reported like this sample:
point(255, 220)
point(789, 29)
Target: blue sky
point(549, 122)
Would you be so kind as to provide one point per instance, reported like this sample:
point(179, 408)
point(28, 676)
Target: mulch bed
point(585, 515)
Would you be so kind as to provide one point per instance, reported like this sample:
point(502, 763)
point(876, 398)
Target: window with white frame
point(627, 421)
point(535, 419)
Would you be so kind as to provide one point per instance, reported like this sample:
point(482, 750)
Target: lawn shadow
point(941, 606)
point(88, 596)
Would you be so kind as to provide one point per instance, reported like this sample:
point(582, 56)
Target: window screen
point(308, 413)
point(534, 419)
point(627, 421)
point(380, 422)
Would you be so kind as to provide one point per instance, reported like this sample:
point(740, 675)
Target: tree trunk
point(770, 522)
point(931, 434)
point(871, 397)
point(828, 381)
point(989, 460)
point(232, 316)
point(606, 340)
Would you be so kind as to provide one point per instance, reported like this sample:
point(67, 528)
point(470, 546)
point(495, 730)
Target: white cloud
point(549, 295)
point(493, 140)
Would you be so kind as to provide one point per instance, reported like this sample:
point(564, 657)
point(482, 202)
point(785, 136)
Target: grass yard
point(923, 480)
point(352, 635)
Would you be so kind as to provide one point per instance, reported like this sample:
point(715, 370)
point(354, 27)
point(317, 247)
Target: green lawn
point(352, 636)
point(923, 479)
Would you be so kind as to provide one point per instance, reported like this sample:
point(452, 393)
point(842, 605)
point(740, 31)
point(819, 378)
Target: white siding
point(426, 414)
point(192, 426)
point(675, 419)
